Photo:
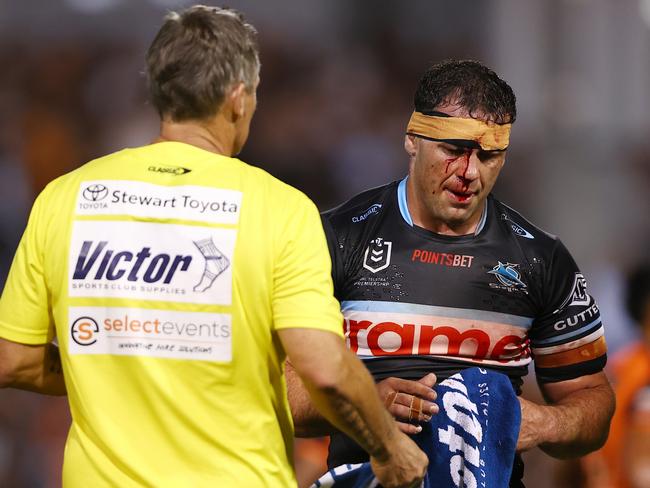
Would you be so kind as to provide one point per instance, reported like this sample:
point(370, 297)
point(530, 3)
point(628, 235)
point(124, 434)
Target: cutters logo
point(84, 331)
point(372, 210)
point(377, 256)
point(508, 276)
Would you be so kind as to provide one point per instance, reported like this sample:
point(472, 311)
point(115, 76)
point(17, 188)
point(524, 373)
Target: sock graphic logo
point(215, 263)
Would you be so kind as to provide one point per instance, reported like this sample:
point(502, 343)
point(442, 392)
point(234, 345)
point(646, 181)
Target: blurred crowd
point(332, 110)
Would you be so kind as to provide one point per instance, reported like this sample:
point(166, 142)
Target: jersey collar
point(406, 215)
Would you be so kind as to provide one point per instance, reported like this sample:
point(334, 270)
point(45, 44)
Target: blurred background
point(336, 93)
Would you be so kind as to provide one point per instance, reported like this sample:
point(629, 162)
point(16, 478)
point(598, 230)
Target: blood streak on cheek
point(450, 162)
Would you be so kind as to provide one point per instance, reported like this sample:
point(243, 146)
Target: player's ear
point(237, 100)
point(410, 145)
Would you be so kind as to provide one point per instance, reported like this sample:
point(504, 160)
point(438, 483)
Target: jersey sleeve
point(303, 291)
point(567, 338)
point(24, 307)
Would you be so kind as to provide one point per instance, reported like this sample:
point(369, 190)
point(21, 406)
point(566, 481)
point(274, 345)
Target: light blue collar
point(406, 215)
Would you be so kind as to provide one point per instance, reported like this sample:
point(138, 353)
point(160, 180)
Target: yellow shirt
point(164, 272)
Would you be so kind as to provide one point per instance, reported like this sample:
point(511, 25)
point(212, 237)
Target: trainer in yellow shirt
point(175, 279)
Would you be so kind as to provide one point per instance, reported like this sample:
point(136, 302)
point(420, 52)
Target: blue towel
point(470, 443)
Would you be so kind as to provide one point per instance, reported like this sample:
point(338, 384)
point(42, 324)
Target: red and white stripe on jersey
point(379, 329)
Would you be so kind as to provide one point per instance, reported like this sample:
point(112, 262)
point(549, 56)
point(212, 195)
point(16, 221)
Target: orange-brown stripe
point(580, 355)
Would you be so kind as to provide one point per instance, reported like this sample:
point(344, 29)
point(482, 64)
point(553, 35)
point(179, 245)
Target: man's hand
point(405, 467)
point(410, 402)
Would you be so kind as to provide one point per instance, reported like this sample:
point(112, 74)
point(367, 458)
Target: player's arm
point(575, 421)
point(344, 392)
point(34, 368)
point(408, 401)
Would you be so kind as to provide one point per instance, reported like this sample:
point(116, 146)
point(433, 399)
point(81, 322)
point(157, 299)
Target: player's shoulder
point(363, 207)
point(66, 184)
point(526, 232)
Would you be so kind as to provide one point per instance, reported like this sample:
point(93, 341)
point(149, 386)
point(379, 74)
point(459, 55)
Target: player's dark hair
point(637, 294)
point(197, 55)
point(469, 84)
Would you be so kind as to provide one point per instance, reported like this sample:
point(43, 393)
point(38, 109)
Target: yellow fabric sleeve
point(24, 310)
point(302, 289)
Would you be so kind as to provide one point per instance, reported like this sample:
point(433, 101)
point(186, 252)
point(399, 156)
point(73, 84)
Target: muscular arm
point(33, 368)
point(575, 422)
point(343, 391)
point(308, 422)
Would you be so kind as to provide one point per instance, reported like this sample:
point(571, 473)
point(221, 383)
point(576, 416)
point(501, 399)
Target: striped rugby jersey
point(415, 301)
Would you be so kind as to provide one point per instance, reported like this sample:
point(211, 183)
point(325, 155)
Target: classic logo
point(578, 294)
point(517, 229)
point(84, 331)
point(171, 170)
point(372, 210)
point(377, 255)
point(508, 276)
point(95, 193)
point(520, 231)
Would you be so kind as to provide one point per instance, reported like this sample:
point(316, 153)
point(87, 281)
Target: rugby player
point(435, 275)
point(175, 279)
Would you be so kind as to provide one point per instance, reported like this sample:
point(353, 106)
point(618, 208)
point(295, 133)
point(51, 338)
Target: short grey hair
point(197, 55)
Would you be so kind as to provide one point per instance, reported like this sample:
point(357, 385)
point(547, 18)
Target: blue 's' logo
point(508, 276)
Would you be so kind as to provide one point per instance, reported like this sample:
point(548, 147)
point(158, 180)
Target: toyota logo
point(95, 193)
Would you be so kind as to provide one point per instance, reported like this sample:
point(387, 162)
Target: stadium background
point(336, 93)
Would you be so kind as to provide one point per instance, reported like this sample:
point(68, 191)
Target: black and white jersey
point(415, 301)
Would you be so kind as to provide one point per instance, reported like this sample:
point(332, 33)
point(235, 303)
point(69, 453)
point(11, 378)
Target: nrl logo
point(377, 256)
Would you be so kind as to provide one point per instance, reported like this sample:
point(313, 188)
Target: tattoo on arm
point(53, 360)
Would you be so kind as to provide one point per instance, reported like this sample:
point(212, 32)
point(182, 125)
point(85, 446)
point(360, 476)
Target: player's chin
point(458, 215)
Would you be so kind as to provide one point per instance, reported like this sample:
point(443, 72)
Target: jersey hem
point(13, 334)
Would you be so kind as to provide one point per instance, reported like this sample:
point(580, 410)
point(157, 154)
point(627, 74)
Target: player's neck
point(211, 136)
point(423, 217)
point(449, 229)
